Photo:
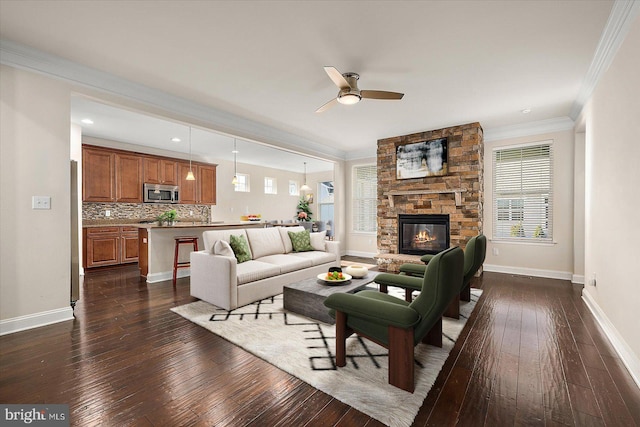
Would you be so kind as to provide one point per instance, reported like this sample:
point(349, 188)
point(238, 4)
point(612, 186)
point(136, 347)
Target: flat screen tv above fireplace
point(422, 234)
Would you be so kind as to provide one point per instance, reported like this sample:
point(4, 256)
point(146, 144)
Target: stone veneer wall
point(465, 170)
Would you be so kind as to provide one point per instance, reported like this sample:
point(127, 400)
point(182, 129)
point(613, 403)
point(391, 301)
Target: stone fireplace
point(457, 195)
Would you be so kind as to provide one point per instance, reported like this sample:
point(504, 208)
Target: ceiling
point(456, 61)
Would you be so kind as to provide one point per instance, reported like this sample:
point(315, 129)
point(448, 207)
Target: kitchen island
point(156, 245)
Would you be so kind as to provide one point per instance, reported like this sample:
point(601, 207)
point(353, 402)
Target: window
point(270, 185)
point(243, 183)
point(365, 198)
point(293, 188)
point(522, 192)
point(325, 205)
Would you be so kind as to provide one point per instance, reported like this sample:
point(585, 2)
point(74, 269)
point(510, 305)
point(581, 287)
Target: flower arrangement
point(168, 217)
point(304, 213)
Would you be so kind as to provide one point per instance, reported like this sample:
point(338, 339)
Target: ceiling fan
point(349, 93)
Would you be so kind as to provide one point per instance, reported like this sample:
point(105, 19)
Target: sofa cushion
point(316, 257)
point(301, 241)
point(222, 248)
point(264, 241)
point(240, 248)
point(317, 240)
point(287, 262)
point(252, 270)
point(286, 241)
point(210, 237)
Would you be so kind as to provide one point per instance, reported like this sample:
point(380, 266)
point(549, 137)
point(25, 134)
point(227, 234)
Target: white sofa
point(222, 281)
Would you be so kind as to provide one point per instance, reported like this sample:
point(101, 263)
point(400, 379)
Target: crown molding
point(623, 14)
point(557, 124)
point(26, 58)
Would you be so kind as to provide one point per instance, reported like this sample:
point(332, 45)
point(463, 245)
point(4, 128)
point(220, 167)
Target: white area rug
point(305, 348)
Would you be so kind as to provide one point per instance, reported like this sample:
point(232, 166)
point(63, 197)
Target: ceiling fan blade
point(328, 105)
point(380, 94)
point(337, 77)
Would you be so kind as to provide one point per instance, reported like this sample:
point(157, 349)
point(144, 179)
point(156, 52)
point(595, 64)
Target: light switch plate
point(41, 202)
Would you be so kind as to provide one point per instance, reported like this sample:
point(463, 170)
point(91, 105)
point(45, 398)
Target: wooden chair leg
point(341, 338)
point(453, 310)
point(434, 336)
point(401, 358)
point(384, 289)
point(408, 297)
point(465, 293)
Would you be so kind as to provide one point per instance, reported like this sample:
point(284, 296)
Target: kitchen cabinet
point(111, 176)
point(128, 179)
point(98, 175)
point(203, 189)
point(160, 171)
point(109, 246)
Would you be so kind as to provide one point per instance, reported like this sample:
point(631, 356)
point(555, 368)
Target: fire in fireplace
point(422, 234)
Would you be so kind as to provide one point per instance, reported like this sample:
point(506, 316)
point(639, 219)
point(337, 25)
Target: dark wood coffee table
point(307, 296)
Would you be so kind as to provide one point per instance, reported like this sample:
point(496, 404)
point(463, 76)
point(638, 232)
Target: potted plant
point(168, 217)
point(304, 213)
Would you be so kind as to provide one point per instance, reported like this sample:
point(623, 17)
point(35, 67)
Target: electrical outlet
point(41, 202)
point(107, 213)
point(593, 282)
point(496, 252)
point(190, 213)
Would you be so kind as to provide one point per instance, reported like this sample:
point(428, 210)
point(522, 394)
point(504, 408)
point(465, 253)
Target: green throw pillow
point(301, 241)
point(240, 248)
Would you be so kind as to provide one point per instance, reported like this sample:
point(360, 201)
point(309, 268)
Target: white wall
point(542, 260)
point(612, 176)
point(34, 158)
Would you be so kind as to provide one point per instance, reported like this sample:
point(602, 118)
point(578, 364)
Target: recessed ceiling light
point(175, 139)
point(87, 121)
point(526, 111)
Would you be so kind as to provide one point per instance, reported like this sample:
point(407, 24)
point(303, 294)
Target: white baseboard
point(35, 320)
point(577, 278)
point(167, 275)
point(549, 274)
point(362, 254)
point(630, 360)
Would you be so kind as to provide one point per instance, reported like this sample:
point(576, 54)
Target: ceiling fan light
point(349, 99)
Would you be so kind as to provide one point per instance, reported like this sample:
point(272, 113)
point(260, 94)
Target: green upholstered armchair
point(396, 324)
point(410, 274)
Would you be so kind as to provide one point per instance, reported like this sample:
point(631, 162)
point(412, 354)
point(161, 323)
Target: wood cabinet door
point(151, 170)
point(207, 185)
point(102, 247)
point(168, 170)
point(128, 178)
point(98, 173)
point(187, 188)
point(129, 247)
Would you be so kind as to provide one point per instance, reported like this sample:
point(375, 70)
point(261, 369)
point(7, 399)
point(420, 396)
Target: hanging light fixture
point(305, 187)
point(190, 176)
point(234, 181)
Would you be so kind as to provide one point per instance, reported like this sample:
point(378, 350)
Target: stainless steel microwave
point(157, 193)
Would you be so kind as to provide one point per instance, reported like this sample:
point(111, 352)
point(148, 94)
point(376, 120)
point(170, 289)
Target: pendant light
point(305, 187)
point(190, 176)
point(234, 181)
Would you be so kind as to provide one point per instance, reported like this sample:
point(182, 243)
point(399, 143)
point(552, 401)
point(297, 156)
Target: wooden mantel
point(457, 191)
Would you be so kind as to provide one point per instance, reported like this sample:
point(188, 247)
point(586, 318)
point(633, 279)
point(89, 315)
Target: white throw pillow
point(223, 248)
point(317, 240)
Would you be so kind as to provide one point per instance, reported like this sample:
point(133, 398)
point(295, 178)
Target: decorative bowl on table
point(356, 271)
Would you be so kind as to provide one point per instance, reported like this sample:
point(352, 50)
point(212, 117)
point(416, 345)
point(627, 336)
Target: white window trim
point(548, 241)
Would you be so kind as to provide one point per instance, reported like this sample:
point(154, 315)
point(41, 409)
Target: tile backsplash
point(142, 211)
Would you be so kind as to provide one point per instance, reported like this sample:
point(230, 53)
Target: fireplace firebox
point(422, 234)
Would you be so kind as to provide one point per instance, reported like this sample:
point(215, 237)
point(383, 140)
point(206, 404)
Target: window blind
point(523, 192)
point(365, 198)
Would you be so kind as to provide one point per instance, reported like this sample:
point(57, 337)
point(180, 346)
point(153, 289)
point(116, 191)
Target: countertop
point(179, 224)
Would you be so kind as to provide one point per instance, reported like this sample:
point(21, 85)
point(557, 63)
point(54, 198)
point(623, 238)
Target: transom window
point(270, 185)
point(243, 183)
point(294, 190)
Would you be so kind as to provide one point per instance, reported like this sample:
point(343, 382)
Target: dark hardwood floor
point(531, 354)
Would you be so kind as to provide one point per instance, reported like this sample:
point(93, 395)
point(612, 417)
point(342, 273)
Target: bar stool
point(182, 240)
